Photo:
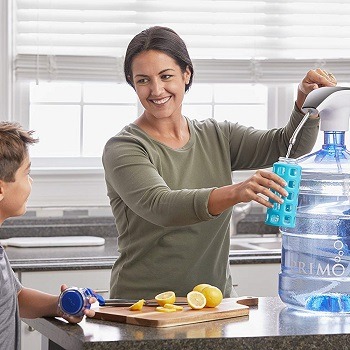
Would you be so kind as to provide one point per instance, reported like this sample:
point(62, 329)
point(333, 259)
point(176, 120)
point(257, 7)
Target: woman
point(169, 178)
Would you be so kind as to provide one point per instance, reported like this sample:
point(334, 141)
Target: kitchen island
point(90, 266)
point(270, 325)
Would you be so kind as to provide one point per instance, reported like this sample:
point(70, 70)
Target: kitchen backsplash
point(47, 212)
point(60, 222)
point(96, 222)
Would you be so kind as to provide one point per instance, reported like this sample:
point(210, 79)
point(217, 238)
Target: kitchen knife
point(129, 302)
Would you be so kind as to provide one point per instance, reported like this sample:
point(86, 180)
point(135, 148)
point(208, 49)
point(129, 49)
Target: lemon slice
point(138, 305)
point(165, 298)
point(200, 287)
point(213, 296)
point(196, 300)
point(172, 306)
point(165, 309)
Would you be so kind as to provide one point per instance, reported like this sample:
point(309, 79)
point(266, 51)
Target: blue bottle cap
point(71, 302)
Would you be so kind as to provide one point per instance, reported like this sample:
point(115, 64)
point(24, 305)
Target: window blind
point(88, 38)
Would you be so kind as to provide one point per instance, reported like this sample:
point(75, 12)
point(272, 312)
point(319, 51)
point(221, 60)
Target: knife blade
point(129, 302)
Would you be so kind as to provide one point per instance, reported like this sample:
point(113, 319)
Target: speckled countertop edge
point(270, 326)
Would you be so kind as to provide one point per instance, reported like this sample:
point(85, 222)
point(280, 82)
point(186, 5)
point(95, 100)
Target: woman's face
point(159, 83)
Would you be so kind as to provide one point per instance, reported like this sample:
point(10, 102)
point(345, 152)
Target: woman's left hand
point(313, 80)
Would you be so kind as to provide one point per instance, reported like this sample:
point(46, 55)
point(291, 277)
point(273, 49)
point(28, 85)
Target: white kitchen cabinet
point(259, 280)
point(50, 282)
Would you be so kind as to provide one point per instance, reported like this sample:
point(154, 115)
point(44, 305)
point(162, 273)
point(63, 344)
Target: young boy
point(15, 187)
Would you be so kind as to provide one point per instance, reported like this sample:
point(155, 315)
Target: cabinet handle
point(31, 329)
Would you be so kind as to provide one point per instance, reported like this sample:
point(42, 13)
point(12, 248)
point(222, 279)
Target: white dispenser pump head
point(333, 106)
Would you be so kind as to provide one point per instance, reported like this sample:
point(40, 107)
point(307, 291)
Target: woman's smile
point(161, 101)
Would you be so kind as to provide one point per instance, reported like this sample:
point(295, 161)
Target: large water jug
point(315, 263)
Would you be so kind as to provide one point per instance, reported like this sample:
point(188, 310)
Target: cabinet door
point(259, 280)
point(50, 282)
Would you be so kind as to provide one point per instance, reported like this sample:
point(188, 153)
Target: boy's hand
point(76, 319)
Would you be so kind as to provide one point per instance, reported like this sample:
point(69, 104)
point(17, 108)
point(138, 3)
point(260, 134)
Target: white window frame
point(64, 184)
point(5, 62)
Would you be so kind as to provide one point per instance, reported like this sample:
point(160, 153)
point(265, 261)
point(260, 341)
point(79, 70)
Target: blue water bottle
point(285, 214)
point(73, 301)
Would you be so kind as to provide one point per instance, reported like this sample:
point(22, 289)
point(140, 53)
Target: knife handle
point(119, 302)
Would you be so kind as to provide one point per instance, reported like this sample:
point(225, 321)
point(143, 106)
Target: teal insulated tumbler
point(284, 214)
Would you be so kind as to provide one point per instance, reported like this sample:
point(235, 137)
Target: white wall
point(76, 189)
point(5, 69)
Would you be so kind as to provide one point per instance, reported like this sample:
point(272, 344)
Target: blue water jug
point(315, 262)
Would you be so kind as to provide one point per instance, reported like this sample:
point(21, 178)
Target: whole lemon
point(200, 287)
point(213, 295)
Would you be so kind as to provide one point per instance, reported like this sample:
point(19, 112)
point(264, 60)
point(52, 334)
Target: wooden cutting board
point(148, 316)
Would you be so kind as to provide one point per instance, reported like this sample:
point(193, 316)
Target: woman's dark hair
point(160, 39)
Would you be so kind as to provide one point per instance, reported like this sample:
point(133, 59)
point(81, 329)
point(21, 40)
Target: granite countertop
point(100, 257)
point(95, 257)
point(269, 326)
point(62, 258)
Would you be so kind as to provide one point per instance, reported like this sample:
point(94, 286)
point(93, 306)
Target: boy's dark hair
point(160, 39)
point(14, 141)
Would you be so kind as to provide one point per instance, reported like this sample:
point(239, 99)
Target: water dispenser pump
point(333, 106)
point(332, 103)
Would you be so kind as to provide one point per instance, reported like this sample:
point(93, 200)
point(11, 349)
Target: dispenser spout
point(333, 106)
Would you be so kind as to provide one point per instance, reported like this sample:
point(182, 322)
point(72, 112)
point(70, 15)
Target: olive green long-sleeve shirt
point(159, 197)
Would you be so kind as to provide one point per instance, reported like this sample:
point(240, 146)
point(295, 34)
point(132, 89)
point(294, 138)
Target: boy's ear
point(2, 190)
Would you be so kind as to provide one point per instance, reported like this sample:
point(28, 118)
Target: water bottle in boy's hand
point(73, 301)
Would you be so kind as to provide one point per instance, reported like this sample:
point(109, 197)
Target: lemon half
point(165, 298)
point(196, 300)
